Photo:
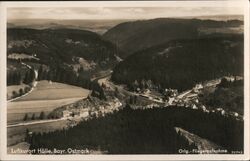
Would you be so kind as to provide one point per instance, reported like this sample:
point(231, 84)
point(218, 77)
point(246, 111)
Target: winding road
point(35, 122)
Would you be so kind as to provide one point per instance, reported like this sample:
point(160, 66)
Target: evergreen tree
point(33, 117)
point(42, 116)
point(21, 91)
point(14, 94)
point(26, 117)
point(40, 72)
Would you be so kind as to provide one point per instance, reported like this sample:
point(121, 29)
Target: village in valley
point(92, 107)
point(118, 97)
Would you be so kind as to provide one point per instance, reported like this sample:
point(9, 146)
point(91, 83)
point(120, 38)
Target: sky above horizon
point(117, 12)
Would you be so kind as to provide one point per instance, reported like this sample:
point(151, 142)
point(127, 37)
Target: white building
point(66, 113)
point(223, 112)
point(204, 109)
point(194, 107)
point(219, 109)
point(84, 113)
point(170, 100)
point(236, 114)
point(197, 87)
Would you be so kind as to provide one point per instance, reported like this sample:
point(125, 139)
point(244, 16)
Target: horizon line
point(242, 15)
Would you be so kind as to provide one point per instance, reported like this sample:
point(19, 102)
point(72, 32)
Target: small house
point(194, 107)
point(236, 114)
point(67, 113)
point(84, 113)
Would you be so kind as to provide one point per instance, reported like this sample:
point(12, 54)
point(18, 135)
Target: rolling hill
point(98, 26)
point(67, 56)
point(180, 64)
point(137, 35)
point(61, 46)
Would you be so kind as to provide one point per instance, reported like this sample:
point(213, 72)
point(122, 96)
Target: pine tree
point(26, 78)
point(25, 118)
point(42, 116)
point(40, 72)
point(33, 117)
point(14, 94)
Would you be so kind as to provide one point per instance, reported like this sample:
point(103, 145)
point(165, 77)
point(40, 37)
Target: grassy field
point(45, 97)
point(54, 91)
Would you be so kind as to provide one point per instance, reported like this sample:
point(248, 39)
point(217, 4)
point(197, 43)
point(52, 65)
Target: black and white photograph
point(125, 78)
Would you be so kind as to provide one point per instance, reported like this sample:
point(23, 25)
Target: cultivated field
point(45, 97)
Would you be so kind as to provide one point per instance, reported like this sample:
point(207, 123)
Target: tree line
point(20, 92)
point(69, 76)
point(55, 73)
point(229, 84)
point(34, 117)
point(15, 77)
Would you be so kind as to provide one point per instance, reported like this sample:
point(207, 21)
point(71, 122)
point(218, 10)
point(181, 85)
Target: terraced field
point(45, 97)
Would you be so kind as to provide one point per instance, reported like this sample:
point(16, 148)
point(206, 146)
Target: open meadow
point(45, 97)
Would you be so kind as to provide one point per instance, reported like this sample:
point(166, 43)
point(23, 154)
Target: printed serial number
point(237, 152)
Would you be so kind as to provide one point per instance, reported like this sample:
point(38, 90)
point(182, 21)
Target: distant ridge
point(98, 26)
point(136, 35)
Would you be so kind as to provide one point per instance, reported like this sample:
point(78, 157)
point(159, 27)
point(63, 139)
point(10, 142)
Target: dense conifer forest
point(144, 131)
point(180, 64)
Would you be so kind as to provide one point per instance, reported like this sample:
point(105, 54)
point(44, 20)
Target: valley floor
point(17, 131)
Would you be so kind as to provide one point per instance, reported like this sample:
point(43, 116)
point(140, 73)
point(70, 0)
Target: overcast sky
point(117, 12)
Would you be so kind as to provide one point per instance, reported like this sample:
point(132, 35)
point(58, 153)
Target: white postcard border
point(3, 103)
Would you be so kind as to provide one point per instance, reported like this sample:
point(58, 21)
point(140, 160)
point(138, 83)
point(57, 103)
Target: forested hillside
point(148, 131)
point(227, 94)
point(61, 46)
point(61, 55)
point(180, 64)
point(137, 35)
point(57, 51)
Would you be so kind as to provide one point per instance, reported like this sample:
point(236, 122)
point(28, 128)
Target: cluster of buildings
point(109, 107)
point(170, 92)
point(82, 113)
point(190, 100)
point(151, 106)
point(88, 111)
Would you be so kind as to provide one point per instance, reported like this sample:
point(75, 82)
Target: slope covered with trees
point(61, 46)
point(148, 131)
point(227, 94)
point(136, 35)
point(180, 64)
point(77, 50)
point(60, 55)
